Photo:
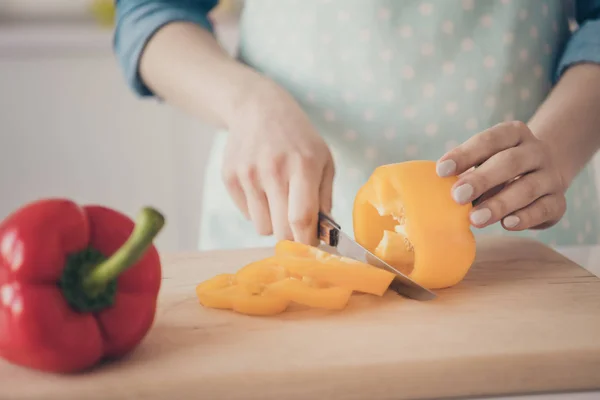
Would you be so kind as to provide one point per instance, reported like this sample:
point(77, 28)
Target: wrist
point(241, 81)
point(560, 157)
point(567, 120)
point(256, 96)
point(565, 168)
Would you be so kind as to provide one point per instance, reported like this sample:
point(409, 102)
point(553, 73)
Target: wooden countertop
point(525, 320)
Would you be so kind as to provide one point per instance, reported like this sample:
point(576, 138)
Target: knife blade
point(331, 233)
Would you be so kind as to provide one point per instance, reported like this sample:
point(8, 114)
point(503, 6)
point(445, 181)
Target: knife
point(331, 233)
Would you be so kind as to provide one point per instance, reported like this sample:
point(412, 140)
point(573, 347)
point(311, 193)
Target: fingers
point(481, 147)
point(277, 197)
point(282, 197)
point(508, 175)
point(515, 196)
point(541, 214)
point(256, 199)
point(303, 207)
point(496, 171)
point(488, 194)
point(274, 176)
point(235, 190)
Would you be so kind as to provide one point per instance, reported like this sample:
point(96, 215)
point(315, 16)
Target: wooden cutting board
point(524, 320)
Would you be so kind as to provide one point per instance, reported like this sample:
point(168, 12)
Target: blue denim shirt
point(138, 20)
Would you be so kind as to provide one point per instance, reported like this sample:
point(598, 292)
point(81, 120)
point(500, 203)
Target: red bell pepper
point(78, 285)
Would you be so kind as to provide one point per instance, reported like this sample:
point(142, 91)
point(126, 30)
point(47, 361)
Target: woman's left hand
point(516, 179)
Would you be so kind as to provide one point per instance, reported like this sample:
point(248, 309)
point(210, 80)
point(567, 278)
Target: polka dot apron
point(386, 81)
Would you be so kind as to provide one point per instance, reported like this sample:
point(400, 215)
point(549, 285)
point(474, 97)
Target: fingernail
point(463, 193)
point(481, 216)
point(511, 221)
point(445, 168)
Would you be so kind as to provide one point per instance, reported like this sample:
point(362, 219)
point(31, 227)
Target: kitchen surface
point(522, 325)
point(526, 323)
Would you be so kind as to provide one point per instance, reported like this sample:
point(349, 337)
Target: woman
point(337, 87)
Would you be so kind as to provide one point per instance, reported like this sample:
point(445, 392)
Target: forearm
point(184, 64)
point(569, 119)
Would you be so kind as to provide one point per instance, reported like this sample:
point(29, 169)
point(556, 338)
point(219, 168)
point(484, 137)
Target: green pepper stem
point(148, 225)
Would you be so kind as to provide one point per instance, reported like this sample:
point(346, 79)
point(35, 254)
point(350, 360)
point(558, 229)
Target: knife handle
point(328, 230)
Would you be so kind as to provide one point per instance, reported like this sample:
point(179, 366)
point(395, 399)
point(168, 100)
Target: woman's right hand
point(277, 168)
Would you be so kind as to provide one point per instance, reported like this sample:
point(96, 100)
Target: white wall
point(70, 127)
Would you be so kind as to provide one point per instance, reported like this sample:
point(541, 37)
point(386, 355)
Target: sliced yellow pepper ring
point(259, 273)
point(304, 260)
point(224, 292)
point(302, 292)
point(213, 293)
point(245, 302)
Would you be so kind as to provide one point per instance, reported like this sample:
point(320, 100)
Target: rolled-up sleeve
point(138, 20)
point(584, 45)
